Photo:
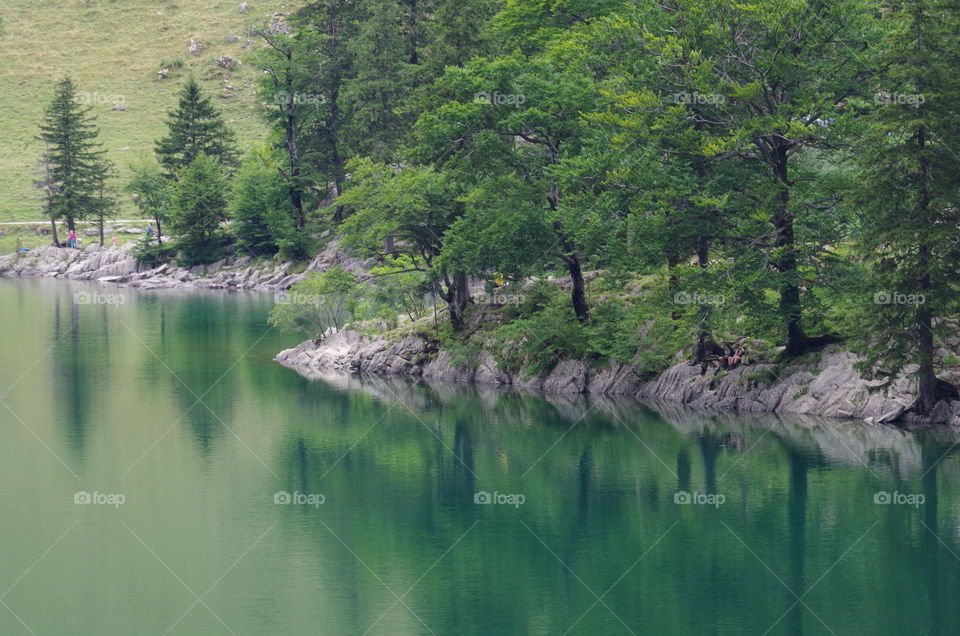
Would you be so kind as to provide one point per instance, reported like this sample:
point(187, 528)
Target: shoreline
point(117, 266)
point(830, 387)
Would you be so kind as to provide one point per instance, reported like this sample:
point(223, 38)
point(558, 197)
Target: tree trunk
point(457, 297)
point(53, 230)
point(673, 284)
point(159, 240)
point(703, 256)
point(578, 294)
point(296, 193)
point(786, 261)
point(926, 375)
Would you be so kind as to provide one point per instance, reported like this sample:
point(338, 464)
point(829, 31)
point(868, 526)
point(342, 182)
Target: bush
point(534, 344)
point(153, 255)
point(319, 302)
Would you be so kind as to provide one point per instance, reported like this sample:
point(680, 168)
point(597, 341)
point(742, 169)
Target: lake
point(162, 475)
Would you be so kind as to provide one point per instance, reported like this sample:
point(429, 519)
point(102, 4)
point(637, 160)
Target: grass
point(113, 50)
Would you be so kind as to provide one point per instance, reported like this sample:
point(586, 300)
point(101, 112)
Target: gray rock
point(832, 387)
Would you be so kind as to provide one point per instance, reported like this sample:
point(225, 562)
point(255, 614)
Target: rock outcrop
point(118, 266)
point(830, 387)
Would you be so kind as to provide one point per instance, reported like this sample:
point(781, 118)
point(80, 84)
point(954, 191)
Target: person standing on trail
point(113, 241)
point(73, 239)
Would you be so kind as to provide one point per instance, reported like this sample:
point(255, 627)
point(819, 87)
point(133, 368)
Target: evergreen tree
point(261, 209)
point(78, 169)
point(771, 82)
point(199, 206)
point(909, 199)
point(333, 23)
point(195, 127)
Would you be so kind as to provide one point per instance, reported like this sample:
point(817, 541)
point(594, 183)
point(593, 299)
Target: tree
point(77, 165)
point(771, 81)
point(199, 206)
point(317, 303)
point(45, 183)
point(151, 192)
point(909, 197)
point(416, 206)
point(290, 65)
point(196, 127)
point(104, 202)
point(381, 78)
point(400, 285)
point(513, 119)
point(333, 23)
point(262, 209)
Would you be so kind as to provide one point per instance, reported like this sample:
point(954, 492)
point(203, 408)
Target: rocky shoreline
point(116, 265)
point(830, 387)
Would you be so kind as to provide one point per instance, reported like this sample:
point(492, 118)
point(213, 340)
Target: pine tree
point(199, 207)
point(195, 127)
point(77, 166)
point(909, 199)
point(261, 208)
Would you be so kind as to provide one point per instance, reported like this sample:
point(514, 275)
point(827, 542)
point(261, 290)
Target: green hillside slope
point(114, 50)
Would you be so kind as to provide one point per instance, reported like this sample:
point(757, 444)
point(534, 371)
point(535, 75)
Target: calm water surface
point(168, 414)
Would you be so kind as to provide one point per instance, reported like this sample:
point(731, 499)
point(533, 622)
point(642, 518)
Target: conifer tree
point(199, 207)
point(196, 127)
point(909, 199)
point(78, 169)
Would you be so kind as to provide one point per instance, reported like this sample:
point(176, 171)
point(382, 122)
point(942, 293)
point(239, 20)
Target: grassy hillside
point(113, 49)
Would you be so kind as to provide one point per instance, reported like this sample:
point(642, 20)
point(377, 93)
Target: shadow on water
point(795, 541)
point(778, 466)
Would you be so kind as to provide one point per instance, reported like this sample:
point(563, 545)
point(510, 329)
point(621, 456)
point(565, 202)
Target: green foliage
point(262, 212)
point(400, 286)
point(152, 254)
point(77, 168)
point(151, 192)
point(318, 302)
point(195, 127)
point(198, 208)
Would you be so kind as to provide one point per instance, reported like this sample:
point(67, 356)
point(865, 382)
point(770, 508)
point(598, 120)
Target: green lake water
point(162, 475)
